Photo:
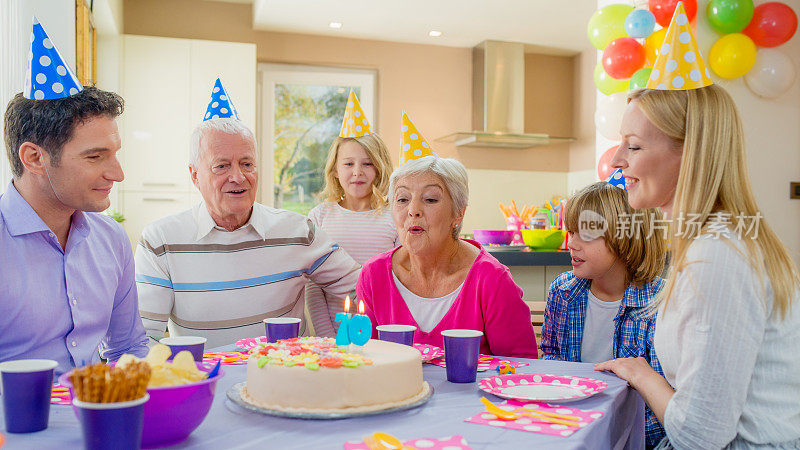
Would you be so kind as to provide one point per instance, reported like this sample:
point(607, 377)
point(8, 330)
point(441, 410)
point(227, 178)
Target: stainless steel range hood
point(498, 100)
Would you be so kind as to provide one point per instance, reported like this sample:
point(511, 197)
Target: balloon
point(772, 75)
point(604, 168)
point(729, 16)
point(607, 24)
point(663, 10)
point(652, 44)
point(773, 24)
point(623, 57)
point(608, 117)
point(605, 83)
point(640, 23)
point(639, 79)
point(732, 55)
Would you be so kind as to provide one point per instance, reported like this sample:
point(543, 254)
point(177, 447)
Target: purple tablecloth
point(229, 426)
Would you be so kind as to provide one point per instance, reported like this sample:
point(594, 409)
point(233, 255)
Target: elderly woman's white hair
point(452, 173)
point(227, 125)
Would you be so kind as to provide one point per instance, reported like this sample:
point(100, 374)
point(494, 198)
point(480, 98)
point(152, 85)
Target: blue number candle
point(360, 326)
point(343, 335)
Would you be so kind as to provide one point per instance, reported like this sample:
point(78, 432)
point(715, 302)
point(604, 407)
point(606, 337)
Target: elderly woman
point(436, 281)
point(728, 327)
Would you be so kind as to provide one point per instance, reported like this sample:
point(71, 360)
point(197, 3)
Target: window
point(301, 115)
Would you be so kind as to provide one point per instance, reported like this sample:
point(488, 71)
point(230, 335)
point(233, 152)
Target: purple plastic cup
point(193, 344)
point(282, 328)
point(402, 334)
point(461, 350)
point(108, 426)
point(26, 393)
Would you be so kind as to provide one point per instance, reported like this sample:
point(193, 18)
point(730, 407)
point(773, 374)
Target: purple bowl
point(173, 412)
point(497, 237)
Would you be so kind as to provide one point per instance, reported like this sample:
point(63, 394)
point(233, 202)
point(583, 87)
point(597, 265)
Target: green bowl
point(543, 239)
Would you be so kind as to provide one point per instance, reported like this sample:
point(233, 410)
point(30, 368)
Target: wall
point(432, 83)
point(582, 165)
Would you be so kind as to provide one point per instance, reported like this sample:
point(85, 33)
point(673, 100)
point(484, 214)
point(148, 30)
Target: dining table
point(231, 426)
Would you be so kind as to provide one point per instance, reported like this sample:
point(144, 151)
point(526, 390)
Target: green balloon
point(606, 83)
point(639, 79)
point(607, 24)
point(729, 16)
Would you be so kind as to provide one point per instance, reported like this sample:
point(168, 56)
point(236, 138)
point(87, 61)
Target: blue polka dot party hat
point(48, 76)
point(616, 179)
point(221, 105)
point(414, 145)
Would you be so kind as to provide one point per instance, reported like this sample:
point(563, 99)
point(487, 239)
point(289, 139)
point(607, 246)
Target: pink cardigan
point(490, 301)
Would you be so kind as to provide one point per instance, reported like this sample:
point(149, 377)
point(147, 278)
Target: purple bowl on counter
point(172, 412)
point(495, 237)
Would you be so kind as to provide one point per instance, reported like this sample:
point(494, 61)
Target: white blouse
point(735, 368)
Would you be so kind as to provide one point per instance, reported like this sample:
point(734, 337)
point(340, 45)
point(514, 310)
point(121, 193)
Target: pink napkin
point(485, 362)
point(60, 395)
point(529, 423)
point(450, 443)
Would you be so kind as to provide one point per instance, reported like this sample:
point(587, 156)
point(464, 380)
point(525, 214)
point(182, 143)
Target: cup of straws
point(110, 402)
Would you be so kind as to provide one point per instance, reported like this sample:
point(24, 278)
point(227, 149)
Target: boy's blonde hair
point(631, 234)
point(713, 177)
point(377, 152)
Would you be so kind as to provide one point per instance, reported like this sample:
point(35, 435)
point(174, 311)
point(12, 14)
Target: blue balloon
point(640, 23)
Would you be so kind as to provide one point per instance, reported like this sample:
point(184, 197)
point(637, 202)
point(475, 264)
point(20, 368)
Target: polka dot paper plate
point(541, 387)
point(429, 352)
point(251, 342)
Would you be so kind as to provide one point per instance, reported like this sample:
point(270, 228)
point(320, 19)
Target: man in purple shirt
point(67, 289)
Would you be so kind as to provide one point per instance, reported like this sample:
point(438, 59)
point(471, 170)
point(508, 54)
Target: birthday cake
point(312, 374)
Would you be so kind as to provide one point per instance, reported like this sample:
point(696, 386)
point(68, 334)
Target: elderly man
point(66, 273)
point(217, 270)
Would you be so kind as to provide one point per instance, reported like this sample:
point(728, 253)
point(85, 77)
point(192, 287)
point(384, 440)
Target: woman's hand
point(640, 375)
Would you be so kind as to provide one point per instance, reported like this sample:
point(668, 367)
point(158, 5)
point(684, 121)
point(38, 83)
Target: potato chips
point(181, 370)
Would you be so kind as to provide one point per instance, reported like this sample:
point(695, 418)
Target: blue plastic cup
point(401, 334)
point(193, 344)
point(27, 385)
point(461, 350)
point(112, 426)
point(282, 328)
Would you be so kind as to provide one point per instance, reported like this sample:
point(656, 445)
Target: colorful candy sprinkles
point(309, 352)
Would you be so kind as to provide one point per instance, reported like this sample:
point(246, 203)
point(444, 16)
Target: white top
point(427, 312)
point(598, 329)
point(735, 369)
point(197, 279)
point(362, 234)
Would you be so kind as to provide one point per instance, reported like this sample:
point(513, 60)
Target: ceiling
point(552, 26)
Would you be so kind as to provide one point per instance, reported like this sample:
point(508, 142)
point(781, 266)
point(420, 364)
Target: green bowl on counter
point(544, 240)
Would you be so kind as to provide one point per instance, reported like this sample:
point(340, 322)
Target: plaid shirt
point(564, 316)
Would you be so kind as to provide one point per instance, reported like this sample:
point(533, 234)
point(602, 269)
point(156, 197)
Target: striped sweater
point(197, 279)
point(362, 234)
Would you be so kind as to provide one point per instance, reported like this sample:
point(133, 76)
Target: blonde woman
point(728, 327)
point(354, 212)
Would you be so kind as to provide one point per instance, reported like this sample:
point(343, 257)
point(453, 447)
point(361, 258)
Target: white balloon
point(772, 74)
point(608, 116)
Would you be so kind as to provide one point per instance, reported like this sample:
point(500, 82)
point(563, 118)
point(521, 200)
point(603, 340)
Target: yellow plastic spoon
point(502, 414)
point(385, 441)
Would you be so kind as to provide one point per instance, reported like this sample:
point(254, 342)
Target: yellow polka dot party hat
point(679, 65)
point(414, 145)
point(355, 123)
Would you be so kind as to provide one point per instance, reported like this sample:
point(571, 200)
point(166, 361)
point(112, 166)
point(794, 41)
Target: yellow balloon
point(732, 56)
point(652, 44)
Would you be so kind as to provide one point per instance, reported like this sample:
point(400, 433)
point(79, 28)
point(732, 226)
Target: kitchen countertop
point(532, 258)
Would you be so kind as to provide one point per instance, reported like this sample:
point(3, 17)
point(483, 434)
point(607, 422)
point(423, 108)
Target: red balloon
point(773, 24)
point(623, 57)
point(604, 168)
point(665, 9)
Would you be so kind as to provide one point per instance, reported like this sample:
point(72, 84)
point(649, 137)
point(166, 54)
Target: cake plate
point(235, 395)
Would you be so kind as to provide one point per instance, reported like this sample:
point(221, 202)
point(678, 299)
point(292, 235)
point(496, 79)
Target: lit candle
point(343, 335)
point(360, 326)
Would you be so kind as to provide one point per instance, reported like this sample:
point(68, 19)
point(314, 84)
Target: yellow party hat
point(414, 145)
point(355, 123)
point(679, 65)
